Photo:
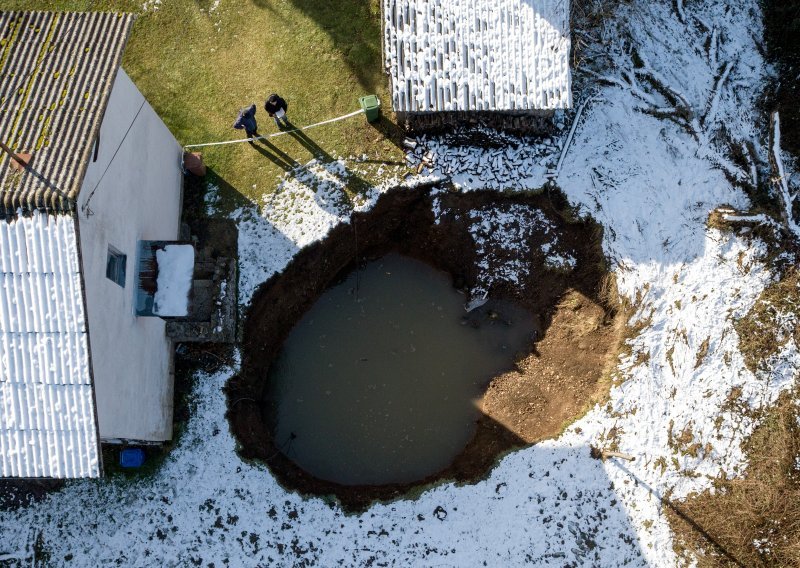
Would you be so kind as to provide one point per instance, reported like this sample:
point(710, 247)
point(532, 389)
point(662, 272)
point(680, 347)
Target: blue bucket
point(131, 457)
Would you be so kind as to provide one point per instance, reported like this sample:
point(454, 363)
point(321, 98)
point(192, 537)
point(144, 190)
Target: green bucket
point(371, 106)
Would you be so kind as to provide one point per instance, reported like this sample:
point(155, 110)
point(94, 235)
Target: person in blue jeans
point(247, 121)
point(276, 108)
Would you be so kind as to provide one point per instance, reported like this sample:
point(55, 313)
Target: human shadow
point(306, 142)
point(354, 182)
point(354, 29)
point(210, 196)
point(275, 155)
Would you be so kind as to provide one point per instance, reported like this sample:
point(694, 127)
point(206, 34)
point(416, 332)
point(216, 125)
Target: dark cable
point(111, 161)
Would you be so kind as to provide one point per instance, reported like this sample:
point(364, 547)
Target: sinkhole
point(378, 382)
point(364, 378)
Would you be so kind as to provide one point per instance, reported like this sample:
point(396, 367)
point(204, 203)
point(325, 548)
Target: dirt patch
point(562, 375)
point(568, 372)
point(19, 493)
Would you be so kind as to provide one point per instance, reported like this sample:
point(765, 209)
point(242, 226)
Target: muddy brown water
point(377, 383)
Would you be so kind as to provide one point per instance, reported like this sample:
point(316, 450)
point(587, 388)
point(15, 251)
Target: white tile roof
point(47, 416)
point(477, 55)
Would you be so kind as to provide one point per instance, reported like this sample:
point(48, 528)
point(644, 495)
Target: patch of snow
point(212, 199)
point(151, 5)
point(174, 282)
point(560, 261)
point(501, 238)
point(763, 545)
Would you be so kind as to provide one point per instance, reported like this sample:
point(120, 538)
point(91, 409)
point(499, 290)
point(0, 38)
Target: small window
point(115, 266)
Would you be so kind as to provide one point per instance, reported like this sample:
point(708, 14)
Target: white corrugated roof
point(477, 55)
point(47, 416)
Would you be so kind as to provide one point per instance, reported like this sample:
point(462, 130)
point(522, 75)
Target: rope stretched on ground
point(338, 118)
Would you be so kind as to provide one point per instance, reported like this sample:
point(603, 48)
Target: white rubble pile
point(519, 164)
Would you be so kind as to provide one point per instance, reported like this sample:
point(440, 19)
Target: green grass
point(197, 69)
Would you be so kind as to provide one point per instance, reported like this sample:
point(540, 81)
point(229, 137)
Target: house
point(451, 61)
point(90, 206)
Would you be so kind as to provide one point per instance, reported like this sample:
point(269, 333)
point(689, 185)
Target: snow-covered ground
point(651, 182)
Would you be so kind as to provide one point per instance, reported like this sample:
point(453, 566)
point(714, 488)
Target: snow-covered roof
point(47, 411)
point(56, 74)
point(477, 55)
point(175, 270)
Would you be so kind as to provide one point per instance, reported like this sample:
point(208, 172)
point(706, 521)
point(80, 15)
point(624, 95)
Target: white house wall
point(134, 196)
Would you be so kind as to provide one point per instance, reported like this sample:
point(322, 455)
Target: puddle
point(377, 383)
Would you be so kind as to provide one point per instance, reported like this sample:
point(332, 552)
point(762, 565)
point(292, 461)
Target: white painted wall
point(138, 198)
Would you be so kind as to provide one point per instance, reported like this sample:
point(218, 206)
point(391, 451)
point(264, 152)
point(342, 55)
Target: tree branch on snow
point(786, 195)
point(680, 10)
point(627, 84)
point(750, 157)
point(660, 83)
point(662, 101)
point(734, 218)
point(733, 173)
point(703, 23)
point(680, 112)
point(713, 48)
point(711, 112)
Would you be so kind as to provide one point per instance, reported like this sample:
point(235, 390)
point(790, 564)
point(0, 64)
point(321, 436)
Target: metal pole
point(13, 155)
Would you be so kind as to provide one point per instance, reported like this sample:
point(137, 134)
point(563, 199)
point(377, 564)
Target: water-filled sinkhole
point(377, 382)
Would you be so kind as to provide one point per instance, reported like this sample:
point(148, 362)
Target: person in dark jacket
point(276, 108)
point(247, 120)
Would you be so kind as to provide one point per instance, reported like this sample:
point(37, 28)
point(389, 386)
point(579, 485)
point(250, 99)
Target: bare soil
point(564, 373)
point(567, 373)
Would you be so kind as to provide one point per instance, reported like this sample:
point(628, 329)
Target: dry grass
point(753, 521)
point(771, 322)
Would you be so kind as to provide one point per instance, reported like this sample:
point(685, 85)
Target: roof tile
point(56, 74)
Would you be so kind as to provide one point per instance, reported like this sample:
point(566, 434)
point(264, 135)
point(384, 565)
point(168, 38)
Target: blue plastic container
point(131, 457)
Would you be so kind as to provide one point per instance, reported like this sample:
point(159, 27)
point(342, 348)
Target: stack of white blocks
point(478, 55)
